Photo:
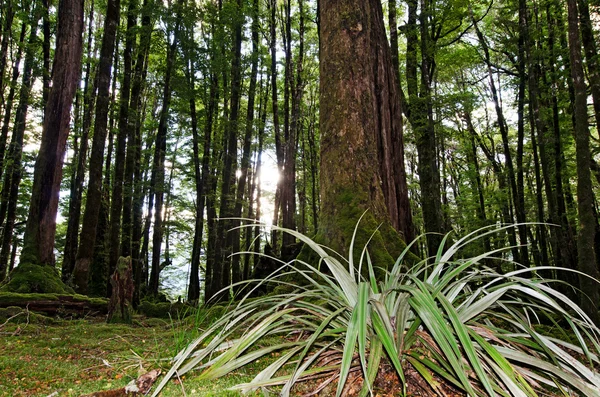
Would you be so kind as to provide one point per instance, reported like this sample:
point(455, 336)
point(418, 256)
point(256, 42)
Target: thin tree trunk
point(245, 162)
point(13, 173)
point(505, 141)
point(10, 100)
point(75, 198)
point(85, 252)
point(158, 167)
point(117, 186)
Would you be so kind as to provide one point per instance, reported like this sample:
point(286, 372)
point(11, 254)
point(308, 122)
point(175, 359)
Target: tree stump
point(120, 304)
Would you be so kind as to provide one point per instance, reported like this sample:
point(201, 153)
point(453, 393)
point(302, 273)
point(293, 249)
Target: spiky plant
point(455, 321)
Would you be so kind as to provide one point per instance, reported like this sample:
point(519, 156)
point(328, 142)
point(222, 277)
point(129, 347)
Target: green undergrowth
point(40, 356)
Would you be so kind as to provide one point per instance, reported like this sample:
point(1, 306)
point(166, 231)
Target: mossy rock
point(34, 278)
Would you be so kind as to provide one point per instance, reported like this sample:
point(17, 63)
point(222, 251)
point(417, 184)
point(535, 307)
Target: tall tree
point(38, 244)
point(85, 252)
point(361, 120)
point(585, 196)
point(158, 164)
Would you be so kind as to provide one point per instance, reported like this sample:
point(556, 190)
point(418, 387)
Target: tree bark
point(585, 196)
point(361, 120)
point(75, 198)
point(38, 241)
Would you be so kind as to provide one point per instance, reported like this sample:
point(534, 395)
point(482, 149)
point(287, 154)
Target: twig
point(181, 383)
point(10, 318)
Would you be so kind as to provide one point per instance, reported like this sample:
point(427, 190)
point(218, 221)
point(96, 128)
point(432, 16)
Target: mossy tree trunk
point(362, 155)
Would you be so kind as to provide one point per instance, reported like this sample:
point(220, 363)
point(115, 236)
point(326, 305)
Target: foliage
point(449, 317)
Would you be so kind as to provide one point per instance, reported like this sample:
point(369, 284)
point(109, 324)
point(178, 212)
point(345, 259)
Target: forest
point(222, 146)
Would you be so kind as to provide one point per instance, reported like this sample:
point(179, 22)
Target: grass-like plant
point(457, 322)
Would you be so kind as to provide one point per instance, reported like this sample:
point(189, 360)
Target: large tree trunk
point(585, 195)
point(361, 121)
point(41, 222)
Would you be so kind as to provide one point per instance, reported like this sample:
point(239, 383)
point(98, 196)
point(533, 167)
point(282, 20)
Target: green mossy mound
point(12, 297)
point(164, 309)
point(33, 278)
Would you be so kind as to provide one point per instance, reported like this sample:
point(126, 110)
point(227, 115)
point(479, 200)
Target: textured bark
point(585, 196)
point(568, 251)
point(87, 240)
point(361, 121)
point(41, 222)
point(75, 198)
point(591, 56)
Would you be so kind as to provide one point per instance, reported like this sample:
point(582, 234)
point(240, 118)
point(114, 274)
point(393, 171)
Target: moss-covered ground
point(39, 357)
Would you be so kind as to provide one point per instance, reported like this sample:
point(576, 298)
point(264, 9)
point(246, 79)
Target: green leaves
point(454, 321)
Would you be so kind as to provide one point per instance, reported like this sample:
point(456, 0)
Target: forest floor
point(81, 356)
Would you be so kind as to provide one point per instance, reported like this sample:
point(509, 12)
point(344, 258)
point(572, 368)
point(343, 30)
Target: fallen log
point(55, 305)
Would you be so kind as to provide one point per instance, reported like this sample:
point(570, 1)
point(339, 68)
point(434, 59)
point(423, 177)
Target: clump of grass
point(450, 318)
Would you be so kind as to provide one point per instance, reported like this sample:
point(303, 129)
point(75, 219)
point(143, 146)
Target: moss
point(30, 277)
point(383, 242)
point(164, 309)
point(15, 298)
point(18, 315)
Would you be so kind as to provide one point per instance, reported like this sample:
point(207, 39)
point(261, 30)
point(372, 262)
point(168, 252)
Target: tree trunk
point(119, 172)
point(85, 252)
point(505, 142)
point(75, 198)
point(361, 120)
point(158, 167)
point(38, 241)
point(585, 196)
point(245, 162)
point(10, 99)
point(133, 183)
point(13, 172)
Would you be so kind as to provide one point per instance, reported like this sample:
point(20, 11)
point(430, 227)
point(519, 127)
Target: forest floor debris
point(83, 356)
